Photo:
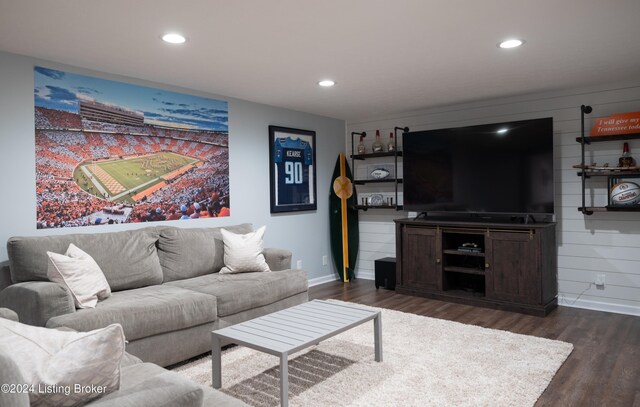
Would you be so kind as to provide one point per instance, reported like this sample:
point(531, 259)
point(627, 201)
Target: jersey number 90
point(293, 172)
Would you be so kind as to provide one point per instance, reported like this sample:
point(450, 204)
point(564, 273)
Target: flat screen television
point(500, 168)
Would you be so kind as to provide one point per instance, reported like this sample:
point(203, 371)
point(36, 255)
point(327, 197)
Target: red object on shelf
point(621, 123)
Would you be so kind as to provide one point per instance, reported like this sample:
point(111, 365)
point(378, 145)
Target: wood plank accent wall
point(604, 243)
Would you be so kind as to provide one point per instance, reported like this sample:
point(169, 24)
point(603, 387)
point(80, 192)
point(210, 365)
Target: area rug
point(427, 362)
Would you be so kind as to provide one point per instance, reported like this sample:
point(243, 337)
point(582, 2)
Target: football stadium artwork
point(292, 161)
point(111, 152)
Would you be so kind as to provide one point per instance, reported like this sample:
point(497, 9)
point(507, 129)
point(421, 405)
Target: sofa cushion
point(144, 311)
point(243, 252)
point(186, 253)
point(240, 292)
point(146, 384)
point(82, 276)
point(10, 374)
point(50, 359)
point(128, 259)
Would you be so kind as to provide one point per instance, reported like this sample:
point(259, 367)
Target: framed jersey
point(292, 169)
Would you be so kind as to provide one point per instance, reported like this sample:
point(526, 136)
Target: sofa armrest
point(5, 276)
point(277, 259)
point(36, 302)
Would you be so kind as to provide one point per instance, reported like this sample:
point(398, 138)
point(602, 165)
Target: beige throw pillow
point(77, 271)
point(243, 253)
point(64, 368)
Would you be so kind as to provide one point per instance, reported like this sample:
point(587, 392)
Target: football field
point(128, 174)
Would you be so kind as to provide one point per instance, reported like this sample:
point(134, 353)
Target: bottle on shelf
point(391, 146)
point(361, 148)
point(377, 146)
point(626, 160)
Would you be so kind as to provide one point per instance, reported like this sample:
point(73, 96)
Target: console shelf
point(463, 270)
point(514, 269)
point(463, 253)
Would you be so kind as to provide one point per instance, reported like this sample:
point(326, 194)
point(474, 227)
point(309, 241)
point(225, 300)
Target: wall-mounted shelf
point(613, 175)
point(617, 137)
point(385, 182)
point(610, 208)
point(366, 207)
point(609, 173)
point(375, 155)
point(377, 181)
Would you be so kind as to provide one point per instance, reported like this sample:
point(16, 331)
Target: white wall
point(305, 234)
point(607, 243)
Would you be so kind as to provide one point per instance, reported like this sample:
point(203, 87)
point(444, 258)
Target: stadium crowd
point(61, 146)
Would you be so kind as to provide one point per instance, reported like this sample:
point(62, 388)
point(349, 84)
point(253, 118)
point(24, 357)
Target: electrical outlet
point(324, 260)
point(600, 280)
point(299, 264)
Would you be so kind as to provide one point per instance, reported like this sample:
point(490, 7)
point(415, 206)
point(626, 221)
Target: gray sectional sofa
point(166, 290)
point(141, 384)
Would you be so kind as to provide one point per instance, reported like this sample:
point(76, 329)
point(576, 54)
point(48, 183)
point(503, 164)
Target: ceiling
point(386, 56)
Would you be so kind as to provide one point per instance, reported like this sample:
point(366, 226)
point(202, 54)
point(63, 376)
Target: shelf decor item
point(292, 169)
point(626, 160)
point(377, 146)
point(391, 146)
point(361, 148)
point(625, 193)
point(376, 200)
point(617, 124)
point(381, 171)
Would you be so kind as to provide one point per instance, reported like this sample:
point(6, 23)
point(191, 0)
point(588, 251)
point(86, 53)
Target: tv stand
point(509, 266)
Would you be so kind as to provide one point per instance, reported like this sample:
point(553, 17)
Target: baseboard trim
point(322, 280)
point(333, 277)
point(365, 276)
point(565, 301)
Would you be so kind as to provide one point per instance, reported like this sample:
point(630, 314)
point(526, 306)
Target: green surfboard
point(343, 220)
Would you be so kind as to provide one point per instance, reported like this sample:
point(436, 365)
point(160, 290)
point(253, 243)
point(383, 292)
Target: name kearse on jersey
point(294, 153)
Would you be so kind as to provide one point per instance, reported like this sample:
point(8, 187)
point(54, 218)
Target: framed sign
point(292, 162)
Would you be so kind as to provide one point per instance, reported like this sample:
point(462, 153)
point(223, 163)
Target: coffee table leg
point(284, 380)
point(377, 333)
point(216, 366)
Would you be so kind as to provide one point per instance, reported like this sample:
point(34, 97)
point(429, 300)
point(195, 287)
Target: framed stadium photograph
point(112, 152)
point(292, 161)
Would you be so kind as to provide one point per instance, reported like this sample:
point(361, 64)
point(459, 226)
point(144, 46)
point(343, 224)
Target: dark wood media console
point(498, 265)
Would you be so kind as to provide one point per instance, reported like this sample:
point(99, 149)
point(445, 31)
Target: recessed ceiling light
point(510, 43)
point(502, 131)
point(173, 38)
point(326, 83)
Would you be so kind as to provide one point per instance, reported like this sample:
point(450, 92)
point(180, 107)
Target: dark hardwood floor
point(603, 370)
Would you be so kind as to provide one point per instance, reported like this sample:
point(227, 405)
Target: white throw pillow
point(64, 368)
point(243, 253)
point(77, 271)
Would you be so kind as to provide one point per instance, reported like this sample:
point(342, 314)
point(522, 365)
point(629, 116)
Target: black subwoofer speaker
point(386, 273)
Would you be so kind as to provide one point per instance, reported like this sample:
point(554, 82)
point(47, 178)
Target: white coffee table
point(291, 330)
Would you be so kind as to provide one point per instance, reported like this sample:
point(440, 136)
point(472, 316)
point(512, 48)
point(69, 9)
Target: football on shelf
point(380, 173)
point(625, 193)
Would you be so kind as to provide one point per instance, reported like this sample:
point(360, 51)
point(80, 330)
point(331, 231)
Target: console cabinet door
point(511, 268)
point(421, 261)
